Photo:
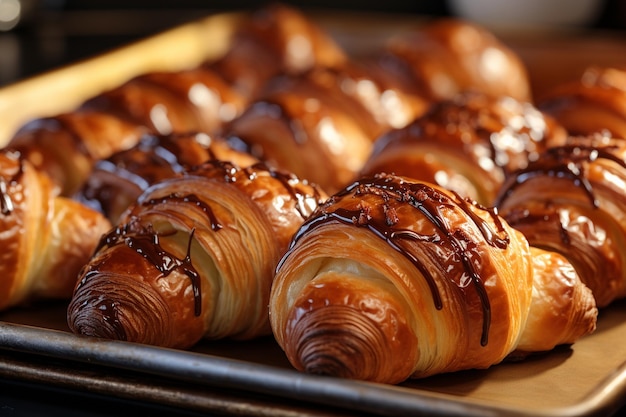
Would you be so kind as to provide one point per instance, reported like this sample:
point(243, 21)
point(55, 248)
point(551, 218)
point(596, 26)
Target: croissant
point(66, 146)
point(393, 279)
point(116, 182)
point(46, 239)
point(389, 103)
point(115, 120)
point(193, 258)
point(277, 39)
point(447, 56)
point(196, 99)
point(595, 103)
point(571, 201)
point(303, 125)
point(468, 144)
point(204, 98)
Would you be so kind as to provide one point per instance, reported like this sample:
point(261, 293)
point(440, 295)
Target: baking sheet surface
point(588, 378)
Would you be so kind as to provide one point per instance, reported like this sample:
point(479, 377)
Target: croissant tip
point(96, 319)
point(343, 342)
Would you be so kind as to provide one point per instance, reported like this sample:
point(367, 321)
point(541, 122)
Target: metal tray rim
point(188, 366)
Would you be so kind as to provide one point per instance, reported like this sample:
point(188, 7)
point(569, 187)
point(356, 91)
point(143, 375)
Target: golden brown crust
point(571, 200)
point(302, 128)
point(197, 99)
point(46, 239)
point(449, 56)
point(469, 144)
point(66, 146)
point(200, 250)
point(563, 309)
point(596, 103)
point(116, 182)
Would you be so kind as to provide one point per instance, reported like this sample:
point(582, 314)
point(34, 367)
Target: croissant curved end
point(337, 328)
point(111, 309)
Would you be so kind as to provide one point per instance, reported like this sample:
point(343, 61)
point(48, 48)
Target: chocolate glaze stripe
point(566, 162)
point(428, 201)
point(146, 243)
point(187, 199)
point(286, 180)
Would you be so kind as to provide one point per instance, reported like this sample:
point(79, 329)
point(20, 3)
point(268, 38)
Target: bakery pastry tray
point(254, 378)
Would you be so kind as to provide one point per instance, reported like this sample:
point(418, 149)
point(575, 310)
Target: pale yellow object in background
point(65, 88)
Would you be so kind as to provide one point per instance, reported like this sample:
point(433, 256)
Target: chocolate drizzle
point(566, 162)
point(430, 203)
point(230, 173)
point(146, 242)
point(288, 181)
point(187, 199)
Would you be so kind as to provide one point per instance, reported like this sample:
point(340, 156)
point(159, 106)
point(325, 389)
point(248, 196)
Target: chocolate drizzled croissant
point(46, 239)
point(594, 104)
point(469, 144)
point(392, 279)
point(193, 258)
point(571, 200)
point(116, 182)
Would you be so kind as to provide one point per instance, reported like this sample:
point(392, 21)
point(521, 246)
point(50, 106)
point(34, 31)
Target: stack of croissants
point(407, 213)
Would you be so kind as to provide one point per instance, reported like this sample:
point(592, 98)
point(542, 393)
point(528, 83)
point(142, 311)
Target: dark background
point(51, 33)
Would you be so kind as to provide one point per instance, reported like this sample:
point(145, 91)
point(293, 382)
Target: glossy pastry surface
point(596, 103)
point(116, 182)
point(447, 56)
point(193, 258)
point(571, 200)
point(392, 279)
point(469, 144)
point(45, 239)
point(303, 126)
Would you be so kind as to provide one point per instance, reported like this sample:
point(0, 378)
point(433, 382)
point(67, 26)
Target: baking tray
point(254, 378)
point(586, 379)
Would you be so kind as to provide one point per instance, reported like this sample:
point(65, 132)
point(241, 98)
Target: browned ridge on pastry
point(116, 182)
point(571, 200)
point(392, 279)
point(46, 239)
point(448, 56)
point(274, 40)
point(193, 258)
point(303, 127)
point(469, 144)
point(596, 103)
